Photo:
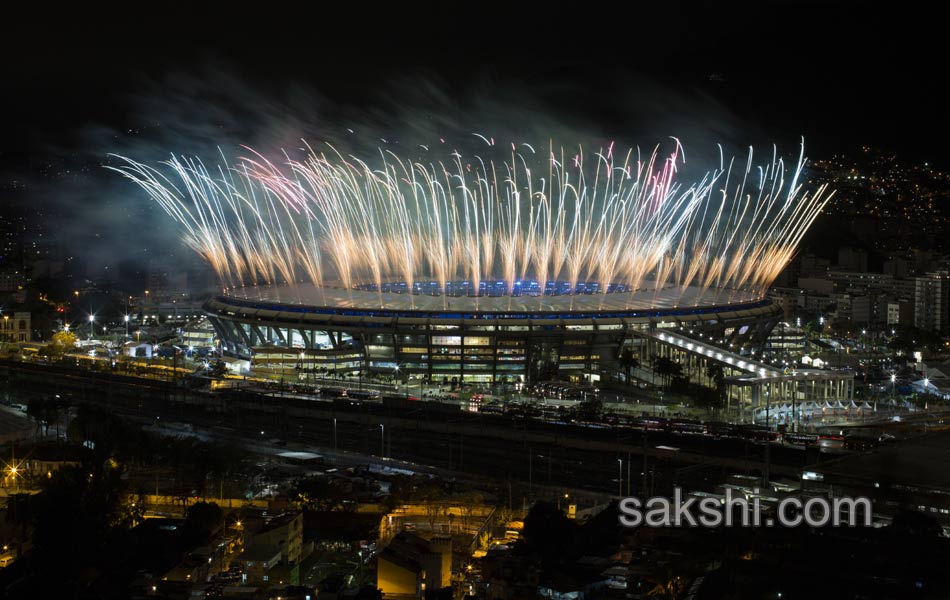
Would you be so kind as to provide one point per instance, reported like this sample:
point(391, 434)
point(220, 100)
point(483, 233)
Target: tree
point(629, 361)
point(218, 370)
point(34, 410)
point(202, 520)
point(432, 495)
point(668, 368)
point(471, 501)
point(590, 410)
point(902, 345)
point(63, 341)
point(75, 533)
point(131, 511)
point(324, 494)
point(550, 534)
point(717, 375)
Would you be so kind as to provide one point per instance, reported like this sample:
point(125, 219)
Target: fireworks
point(560, 218)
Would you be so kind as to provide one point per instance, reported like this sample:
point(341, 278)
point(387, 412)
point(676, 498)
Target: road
point(525, 453)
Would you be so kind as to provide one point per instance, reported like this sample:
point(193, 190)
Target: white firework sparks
point(561, 218)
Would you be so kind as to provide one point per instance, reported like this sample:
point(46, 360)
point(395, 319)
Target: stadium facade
point(506, 339)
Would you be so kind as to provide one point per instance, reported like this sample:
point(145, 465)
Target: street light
point(382, 440)
point(92, 320)
point(893, 388)
point(396, 381)
point(126, 319)
point(13, 472)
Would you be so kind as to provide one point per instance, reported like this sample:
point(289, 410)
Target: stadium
point(501, 267)
point(498, 339)
point(495, 340)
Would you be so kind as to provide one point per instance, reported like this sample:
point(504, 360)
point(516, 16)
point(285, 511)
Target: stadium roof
point(645, 299)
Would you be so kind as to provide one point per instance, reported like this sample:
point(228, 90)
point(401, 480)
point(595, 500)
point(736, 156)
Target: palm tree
point(667, 367)
point(717, 375)
point(714, 373)
point(629, 361)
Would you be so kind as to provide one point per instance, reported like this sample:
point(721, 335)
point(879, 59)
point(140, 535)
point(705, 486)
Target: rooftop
point(260, 552)
point(648, 298)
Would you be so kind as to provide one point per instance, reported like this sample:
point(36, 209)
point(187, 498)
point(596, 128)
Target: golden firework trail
point(529, 223)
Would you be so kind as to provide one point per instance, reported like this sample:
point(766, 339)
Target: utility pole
point(768, 438)
point(530, 473)
point(643, 436)
point(628, 472)
point(620, 477)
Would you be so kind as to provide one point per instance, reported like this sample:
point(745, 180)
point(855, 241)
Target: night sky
point(795, 68)
point(149, 85)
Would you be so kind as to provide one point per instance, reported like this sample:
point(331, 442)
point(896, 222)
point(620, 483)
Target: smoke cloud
point(215, 109)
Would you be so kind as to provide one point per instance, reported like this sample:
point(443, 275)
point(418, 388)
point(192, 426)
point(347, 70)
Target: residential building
point(410, 565)
point(15, 327)
point(932, 301)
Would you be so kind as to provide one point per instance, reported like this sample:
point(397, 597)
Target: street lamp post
point(14, 473)
point(92, 332)
point(382, 440)
point(893, 387)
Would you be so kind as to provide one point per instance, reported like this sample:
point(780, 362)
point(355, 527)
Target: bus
point(364, 394)
point(721, 430)
point(332, 392)
point(682, 426)
point(801, 439)
point(648, 423)
point(757, 433)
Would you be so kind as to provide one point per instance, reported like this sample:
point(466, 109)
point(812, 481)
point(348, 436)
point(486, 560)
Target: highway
point(526, 452)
